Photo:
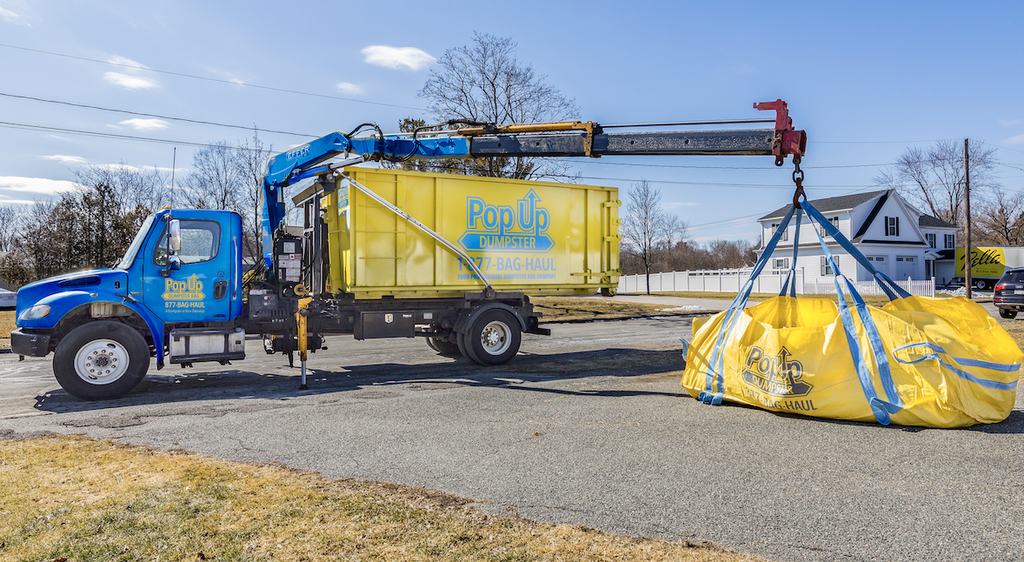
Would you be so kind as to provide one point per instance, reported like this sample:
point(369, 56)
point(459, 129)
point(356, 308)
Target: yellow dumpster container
point(539, 238)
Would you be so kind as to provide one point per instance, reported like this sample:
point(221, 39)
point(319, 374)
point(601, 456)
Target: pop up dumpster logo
point(777, 375)
point(184, 290)
point(506, 228)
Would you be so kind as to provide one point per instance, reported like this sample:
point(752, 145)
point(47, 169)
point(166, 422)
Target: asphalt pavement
point(588, 426)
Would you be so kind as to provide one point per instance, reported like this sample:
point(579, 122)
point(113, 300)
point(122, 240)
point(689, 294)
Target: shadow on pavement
point(233, 384)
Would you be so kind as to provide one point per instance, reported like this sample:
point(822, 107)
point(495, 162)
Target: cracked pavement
point(565, 434)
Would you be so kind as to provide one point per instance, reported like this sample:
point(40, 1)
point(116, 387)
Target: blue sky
point(864, 79)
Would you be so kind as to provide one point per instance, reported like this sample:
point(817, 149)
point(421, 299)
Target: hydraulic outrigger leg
point(303, 335)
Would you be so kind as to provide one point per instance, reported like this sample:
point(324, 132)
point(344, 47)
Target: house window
point(950, 241)
point(931, 239)
point(785, 233)
point(780, 263)
point(826, 267)
point(835, 223)
point(892, 226)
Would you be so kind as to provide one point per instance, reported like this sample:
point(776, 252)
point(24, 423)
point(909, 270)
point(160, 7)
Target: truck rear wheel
point(444, 347)
point(101, 360)
point(493, 338)
point(1007, 313)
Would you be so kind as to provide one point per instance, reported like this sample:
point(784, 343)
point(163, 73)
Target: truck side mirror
point(174, 235)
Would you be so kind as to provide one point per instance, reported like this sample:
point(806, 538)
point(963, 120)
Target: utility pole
point(968, 262)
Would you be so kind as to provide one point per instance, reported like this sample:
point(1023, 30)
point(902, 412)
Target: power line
point(127, 112)
point(208, 79)
point(28, 127)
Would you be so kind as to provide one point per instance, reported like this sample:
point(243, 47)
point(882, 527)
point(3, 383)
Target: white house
point(898, 239)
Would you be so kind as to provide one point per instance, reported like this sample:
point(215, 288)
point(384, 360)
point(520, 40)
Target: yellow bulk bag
point(934, 362)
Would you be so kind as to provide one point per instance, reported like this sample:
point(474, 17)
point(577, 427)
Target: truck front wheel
point(101, 360)
point(493, 338)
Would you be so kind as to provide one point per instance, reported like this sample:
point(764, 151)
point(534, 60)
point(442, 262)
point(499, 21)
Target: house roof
point(933, 222)
point(830, 204)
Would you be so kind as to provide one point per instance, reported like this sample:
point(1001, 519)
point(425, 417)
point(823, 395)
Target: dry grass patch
point(565, 309)
point(81, 499)
point(7, 325)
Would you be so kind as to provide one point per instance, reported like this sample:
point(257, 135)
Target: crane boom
point(559, 139)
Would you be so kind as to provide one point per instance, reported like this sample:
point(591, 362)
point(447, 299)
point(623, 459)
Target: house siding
point(899, 256)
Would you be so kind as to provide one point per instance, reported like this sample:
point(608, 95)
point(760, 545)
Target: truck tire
point(493, 338)
point(1006, 313)
point(101, 360)
point(444, 347)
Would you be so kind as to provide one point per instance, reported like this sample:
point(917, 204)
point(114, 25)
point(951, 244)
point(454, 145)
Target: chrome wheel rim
point(496, 338)
point(101, 362)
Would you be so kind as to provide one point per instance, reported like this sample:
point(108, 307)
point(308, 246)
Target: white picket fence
point(923, 288)
point(732, 280)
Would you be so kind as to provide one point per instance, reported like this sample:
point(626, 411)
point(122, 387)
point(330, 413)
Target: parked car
point(8, 299)
point(1008, 294)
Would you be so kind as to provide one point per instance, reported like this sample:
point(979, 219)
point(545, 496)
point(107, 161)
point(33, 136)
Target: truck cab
point(177, 292)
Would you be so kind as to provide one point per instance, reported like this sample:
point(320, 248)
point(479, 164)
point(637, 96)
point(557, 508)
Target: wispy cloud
point(124, 61)
point(11, 17)
point(64, 159)
point(1010, 122)
point(224, 75)
point(145, 124)
point(122, 167)
point(39, 186)
point(349, 88)
point(129, 82)
point(398, 58)
point(1019, 139)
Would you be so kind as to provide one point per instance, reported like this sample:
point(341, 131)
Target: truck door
point(200, 291)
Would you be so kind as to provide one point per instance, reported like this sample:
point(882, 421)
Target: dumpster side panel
point(534, 237)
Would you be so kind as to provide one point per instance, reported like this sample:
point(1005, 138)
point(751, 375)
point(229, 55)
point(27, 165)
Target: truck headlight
point(37, 311)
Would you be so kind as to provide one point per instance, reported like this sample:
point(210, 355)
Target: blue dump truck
point(179, 293)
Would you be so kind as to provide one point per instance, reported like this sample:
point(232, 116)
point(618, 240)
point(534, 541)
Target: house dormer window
point(892, 226)
point(931, 239)
point(785, 233)
point(835, 223)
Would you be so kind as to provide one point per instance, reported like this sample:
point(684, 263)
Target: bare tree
point(230, 177)
point(10, 224)
point(131, 187)
point(647, 230)
point(484, 82)
point(251, 158)
point(214, 181)
point(1001, 220)
point(934, 179)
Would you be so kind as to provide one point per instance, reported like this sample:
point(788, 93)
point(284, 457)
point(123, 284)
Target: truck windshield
point(129, 256)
